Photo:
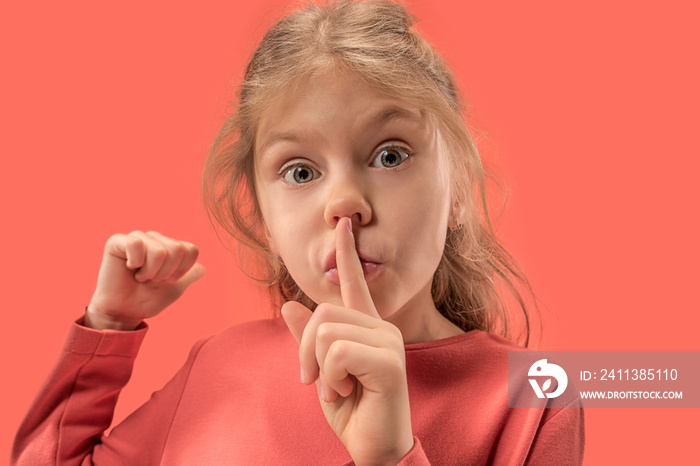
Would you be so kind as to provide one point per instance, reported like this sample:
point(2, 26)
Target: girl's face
point(333, 148)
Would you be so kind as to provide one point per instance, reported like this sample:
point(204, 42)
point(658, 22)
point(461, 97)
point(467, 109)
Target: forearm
point(76, 403)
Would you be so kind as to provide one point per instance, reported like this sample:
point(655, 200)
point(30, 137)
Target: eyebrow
point(390, 113)
point(385, 114)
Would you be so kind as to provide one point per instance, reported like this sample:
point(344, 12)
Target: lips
point(370, 266)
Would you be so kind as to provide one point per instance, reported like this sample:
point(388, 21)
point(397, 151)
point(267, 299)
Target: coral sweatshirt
point(238, 400)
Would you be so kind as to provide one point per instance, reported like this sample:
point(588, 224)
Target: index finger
point(353, 287)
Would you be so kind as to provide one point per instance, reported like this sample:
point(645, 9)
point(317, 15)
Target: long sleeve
point(560, 439)
point(76, 403)
point(415, 457)
point(238, 400)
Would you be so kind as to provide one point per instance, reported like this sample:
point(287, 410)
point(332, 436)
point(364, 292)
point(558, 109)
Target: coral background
point(589, 110)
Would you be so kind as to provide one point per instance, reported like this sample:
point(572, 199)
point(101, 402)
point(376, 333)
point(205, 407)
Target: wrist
point(99, 321)
point(405, 449)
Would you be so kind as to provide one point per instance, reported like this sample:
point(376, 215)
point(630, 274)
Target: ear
point(458, 216)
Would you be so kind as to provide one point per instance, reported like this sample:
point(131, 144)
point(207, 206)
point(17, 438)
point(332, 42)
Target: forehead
point(336, 99)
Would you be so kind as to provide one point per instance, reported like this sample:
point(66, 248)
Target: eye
point(300, 174)
point(390, 157)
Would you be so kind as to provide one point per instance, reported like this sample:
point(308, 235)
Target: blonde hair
point(376, 41)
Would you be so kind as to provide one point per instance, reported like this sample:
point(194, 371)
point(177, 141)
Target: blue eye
point(300, 174)
point(390, 157)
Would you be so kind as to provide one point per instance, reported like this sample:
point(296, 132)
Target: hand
point(141, 274)
point(358, 363)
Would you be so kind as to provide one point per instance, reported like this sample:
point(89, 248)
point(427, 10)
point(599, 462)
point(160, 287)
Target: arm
point(560, 438)
point(76, 403)
point(65, 426)
point(141, 274)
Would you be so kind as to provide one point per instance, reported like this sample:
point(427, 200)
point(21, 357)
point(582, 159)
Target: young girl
point(348, 167)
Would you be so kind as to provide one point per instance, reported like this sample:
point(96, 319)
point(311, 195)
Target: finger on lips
point(353, 287)
point(331, 338)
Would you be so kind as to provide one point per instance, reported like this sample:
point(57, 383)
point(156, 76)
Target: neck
point(420, 321)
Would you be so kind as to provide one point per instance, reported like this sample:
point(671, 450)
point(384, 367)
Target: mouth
point(370, 267)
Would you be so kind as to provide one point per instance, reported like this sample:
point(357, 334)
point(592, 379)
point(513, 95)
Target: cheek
point(426, 202)
point(286, 231)
point(292, 229)
point(428, 216)
point(428, 243)
point(416, 212)
point(277, 214)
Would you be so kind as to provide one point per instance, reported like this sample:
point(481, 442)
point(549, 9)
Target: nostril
point(336, 218)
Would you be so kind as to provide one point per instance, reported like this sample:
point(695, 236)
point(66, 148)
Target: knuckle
point(158, 252)
point(322, 311)
point(336, 353)
point(393, 332)
point(135, 240)
point(189, 246)
point(399, 367)
point(178, 251)
point(393, 363)
point(115, 238)
point(192, 249)
point(397, 334)
point(324, 332)
point(400, 361)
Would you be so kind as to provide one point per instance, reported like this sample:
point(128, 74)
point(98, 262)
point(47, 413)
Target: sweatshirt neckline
point(449, 341)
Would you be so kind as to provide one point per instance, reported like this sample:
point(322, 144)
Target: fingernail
point(323, 393)
point(350, 224)
point(303, 375)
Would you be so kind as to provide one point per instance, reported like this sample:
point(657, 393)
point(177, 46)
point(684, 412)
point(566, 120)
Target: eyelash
point(287, 169)
point(405, 150)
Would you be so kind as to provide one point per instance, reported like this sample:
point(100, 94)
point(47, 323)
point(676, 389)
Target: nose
point(347, 198)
